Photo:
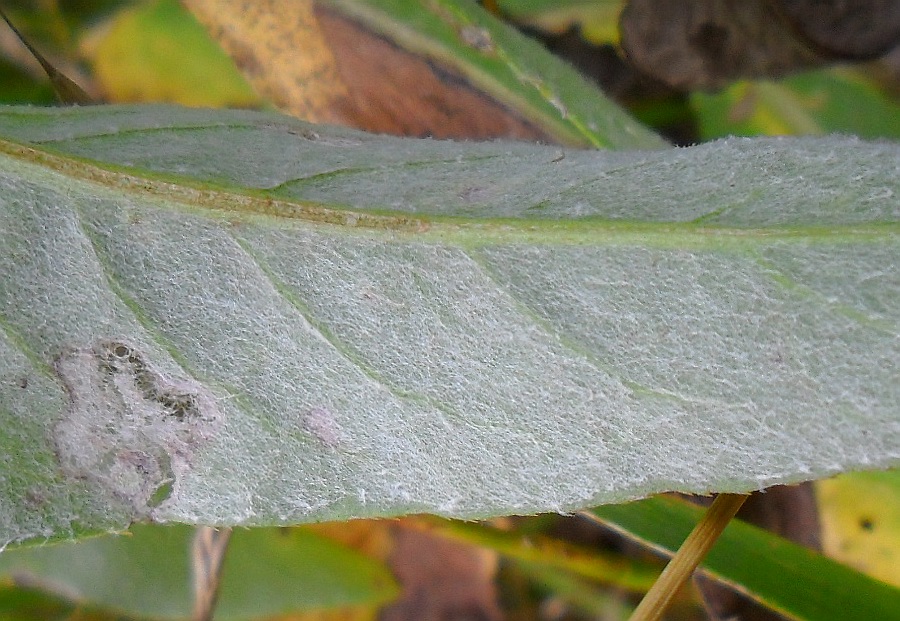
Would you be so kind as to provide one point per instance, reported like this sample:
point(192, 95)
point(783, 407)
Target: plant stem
point(67, 91)
point(207, 554)
point(689, 555)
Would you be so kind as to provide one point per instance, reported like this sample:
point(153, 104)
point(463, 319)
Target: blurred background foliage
point(546, 567)
point(154, 50)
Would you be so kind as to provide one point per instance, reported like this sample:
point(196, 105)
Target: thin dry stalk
point(688, 557)
point(207, 555)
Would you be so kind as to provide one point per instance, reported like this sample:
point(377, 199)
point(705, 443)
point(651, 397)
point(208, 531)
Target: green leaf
point(838, 99)
point(19, 87)
point(240, 318)
point(784, 576)
point(582, 596)
point(554, 555)
point(147, 573)
point(597, 20)
point(27, 604)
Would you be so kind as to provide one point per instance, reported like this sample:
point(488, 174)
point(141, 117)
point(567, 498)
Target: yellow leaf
point(860, 515)
point(157, 52)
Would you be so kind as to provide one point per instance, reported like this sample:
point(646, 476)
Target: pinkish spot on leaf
point(320, 422)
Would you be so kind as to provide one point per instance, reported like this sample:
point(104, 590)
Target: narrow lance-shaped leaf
point(238, 318)
point(761, 564)
point(148, 574)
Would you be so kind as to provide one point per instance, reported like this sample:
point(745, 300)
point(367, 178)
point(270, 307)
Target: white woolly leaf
point(237, 318)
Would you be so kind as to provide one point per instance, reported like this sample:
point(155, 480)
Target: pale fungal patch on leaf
point(476, 37)
point(320, 422)
point(127, 428)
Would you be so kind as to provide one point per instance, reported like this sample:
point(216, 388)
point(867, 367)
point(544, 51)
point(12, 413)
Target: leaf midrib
point(464, 231)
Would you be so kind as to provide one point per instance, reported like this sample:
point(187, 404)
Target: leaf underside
point(239, 318)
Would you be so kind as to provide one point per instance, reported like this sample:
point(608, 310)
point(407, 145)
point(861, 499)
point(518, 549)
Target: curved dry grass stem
point(207, 554)
point(689, 555)
point(67, 91)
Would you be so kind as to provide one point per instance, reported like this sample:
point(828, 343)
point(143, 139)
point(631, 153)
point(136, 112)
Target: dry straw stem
point(67, 91)
point(689, 555)
point(208, 555)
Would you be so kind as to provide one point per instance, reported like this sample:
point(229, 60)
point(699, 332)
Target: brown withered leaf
point(279, 46)
point(692, 44)
point(440, 579)
point(319, 65)
point(392, 91)
point(859, 29)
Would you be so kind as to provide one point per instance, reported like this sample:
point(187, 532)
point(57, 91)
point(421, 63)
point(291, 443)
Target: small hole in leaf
point(867, 524)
